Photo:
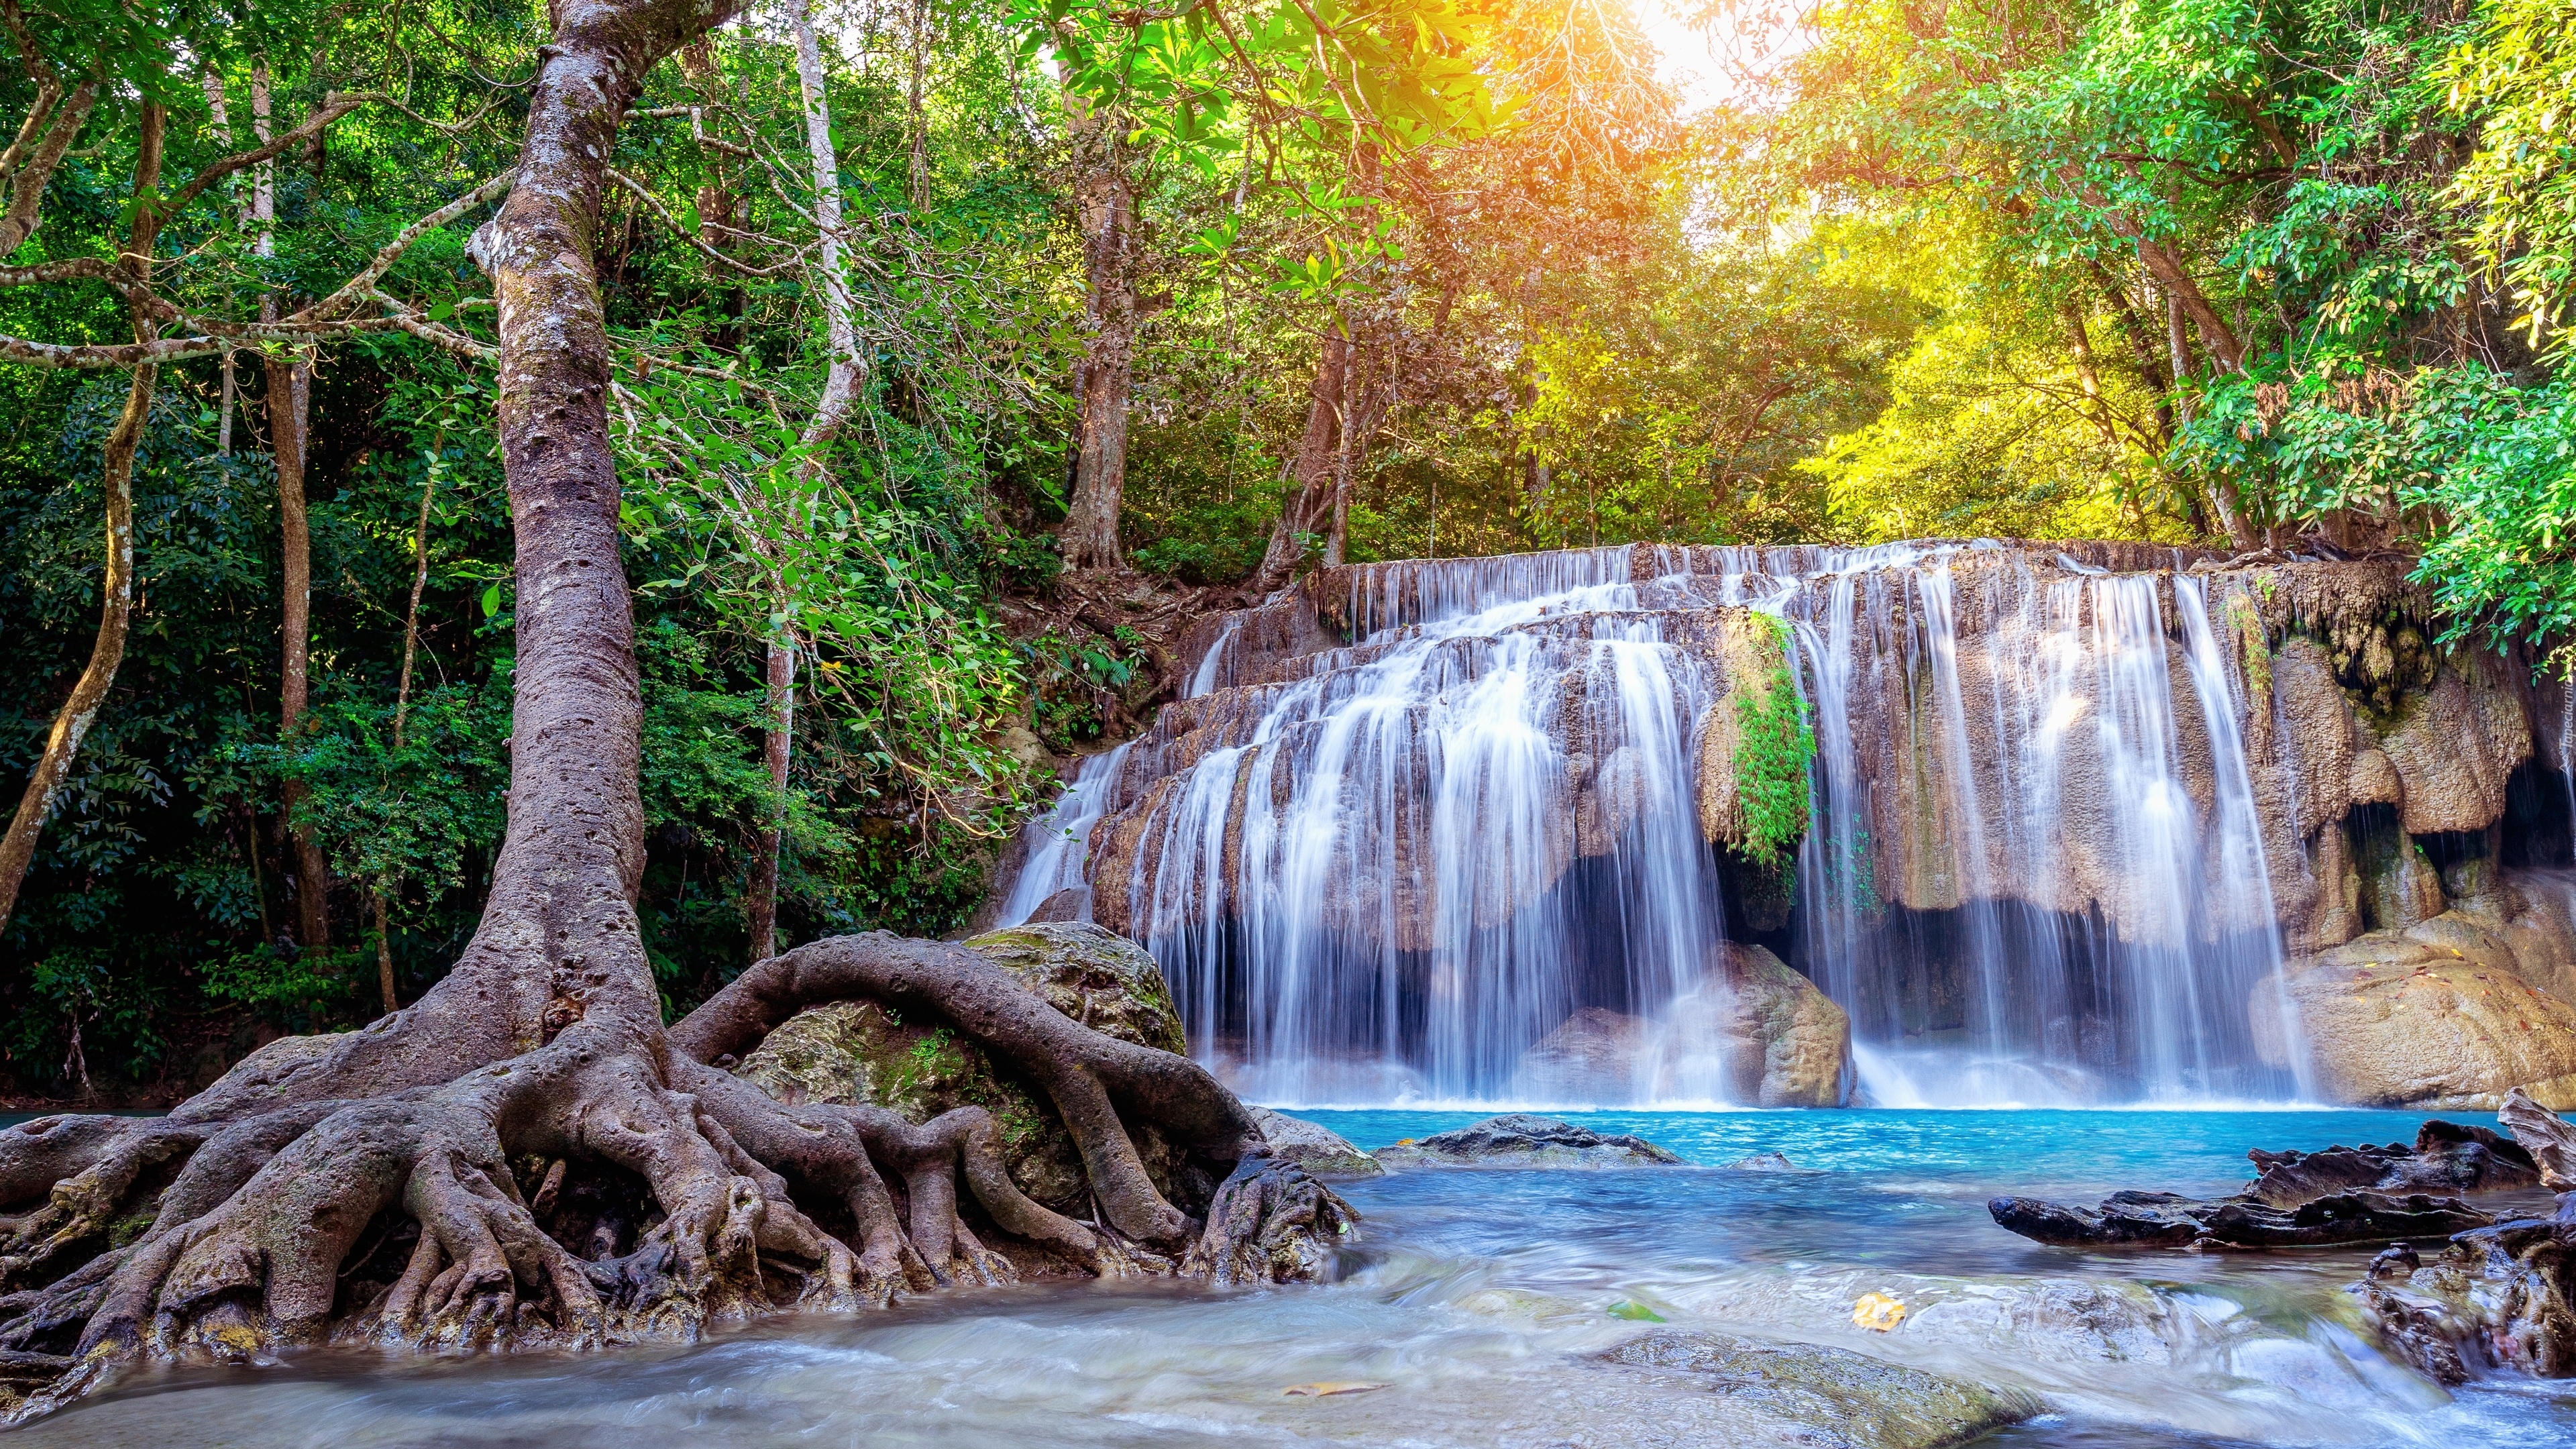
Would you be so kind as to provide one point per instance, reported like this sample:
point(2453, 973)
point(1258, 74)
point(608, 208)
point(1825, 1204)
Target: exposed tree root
point(485, 1211)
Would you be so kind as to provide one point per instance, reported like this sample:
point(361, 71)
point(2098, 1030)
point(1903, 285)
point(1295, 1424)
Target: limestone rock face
point(860, 1054)
point(2444, 1015)
point(2454, 745)
point(1843, 1400)
point(1519, 1140)
point(1326, 1155)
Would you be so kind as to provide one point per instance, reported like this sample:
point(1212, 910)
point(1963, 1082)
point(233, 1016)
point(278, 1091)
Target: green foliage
point(1775, 745)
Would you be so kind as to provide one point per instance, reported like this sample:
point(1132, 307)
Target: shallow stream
point(1479, 1301)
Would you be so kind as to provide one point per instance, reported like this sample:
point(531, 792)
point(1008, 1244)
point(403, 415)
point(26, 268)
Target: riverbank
point(1482, 1302)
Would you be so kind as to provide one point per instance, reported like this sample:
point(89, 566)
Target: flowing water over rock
point(2077, 814)
point(1518, 1309)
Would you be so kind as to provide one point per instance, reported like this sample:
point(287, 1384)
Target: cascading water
point(1052, 853)
point(2035, 872)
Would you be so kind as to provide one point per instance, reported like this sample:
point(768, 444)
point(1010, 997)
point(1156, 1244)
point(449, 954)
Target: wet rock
point(2441, 1016)
point(1763, 1162)
point(1519, 1140)
point(1271, 1222)
point(1788, 1043)
point(859, 1053)
point(2500, 1298)
point(2549, 1138)
point(2447, 1157)
point(2166, 1220)
point(1323, 1153)
point(2125, 1219)
point(1104, 981)
point(1755, 1033)
point(1841, 1399)
point(1595, 1055)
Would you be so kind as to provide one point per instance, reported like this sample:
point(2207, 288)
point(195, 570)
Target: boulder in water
point(1595, 1055)
point(1763, 1162)
point(1789, 1044)
point(1842, 1400)
point(2550, 1139)
point(1755, 1033)
point(1324, 1153)
point(2500, 1297)
point(1519, 1140)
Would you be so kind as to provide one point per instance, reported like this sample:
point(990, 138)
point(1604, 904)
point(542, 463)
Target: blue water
point(1480, 1300)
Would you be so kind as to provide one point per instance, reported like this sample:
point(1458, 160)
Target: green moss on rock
point(861, 1053)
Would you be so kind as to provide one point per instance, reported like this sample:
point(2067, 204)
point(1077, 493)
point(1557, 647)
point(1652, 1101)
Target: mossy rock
point(861, 1053)
point(1844, 1400)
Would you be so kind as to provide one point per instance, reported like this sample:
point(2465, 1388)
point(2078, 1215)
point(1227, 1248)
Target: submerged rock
point(2501, 1297)
point(1844, 1400)
point(1324, 1153)
point(1521, 1140)
point(1763, 1162)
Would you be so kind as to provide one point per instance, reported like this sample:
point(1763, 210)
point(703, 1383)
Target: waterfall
point(1052, 848)
point(1425, 861)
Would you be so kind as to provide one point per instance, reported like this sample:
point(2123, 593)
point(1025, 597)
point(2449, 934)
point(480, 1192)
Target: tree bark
point(116, 606)
point(290, 406)
point(1307, 508)
point(290, 399)
point(1105, 199)
point(402, 705)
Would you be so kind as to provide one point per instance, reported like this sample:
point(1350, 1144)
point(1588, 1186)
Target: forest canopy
point(964, 348)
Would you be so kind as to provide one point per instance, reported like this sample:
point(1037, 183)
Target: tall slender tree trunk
point(290, 408)
point(223, 123)
point(89, 692)
point(832, 411)
point(402, 707)
point(290, 395)
point(1105, 198)
point(1368, 392)
point(1307, 508)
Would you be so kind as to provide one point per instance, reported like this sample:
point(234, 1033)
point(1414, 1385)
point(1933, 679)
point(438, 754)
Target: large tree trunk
point(1105, 198)
point(1307, 507)
point(89, 692)
point(275, 1195)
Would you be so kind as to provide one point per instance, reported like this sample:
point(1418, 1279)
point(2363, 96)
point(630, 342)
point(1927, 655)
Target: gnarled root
point(295, 1203)
point(1084, 1073)
point(1270, 1223)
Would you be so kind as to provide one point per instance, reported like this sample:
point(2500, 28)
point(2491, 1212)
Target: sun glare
point(1706, 66)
